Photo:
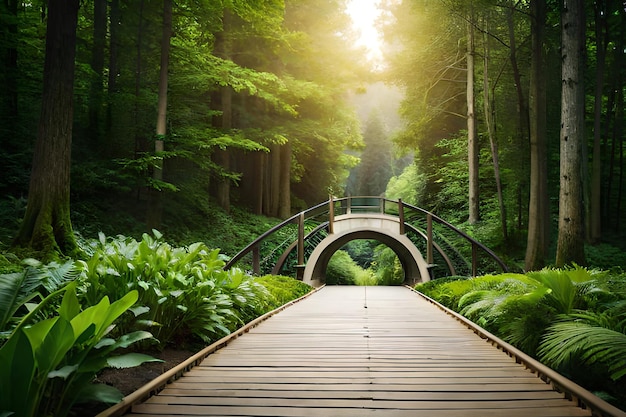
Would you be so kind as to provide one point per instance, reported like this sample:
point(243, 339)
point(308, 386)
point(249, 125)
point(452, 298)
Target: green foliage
point(387, 268)
point(21, 292)
point(567, 289)
point(47, 367)
point(341, 269)
point(183, 291)
point(409, 186)
point(448, 291)
point(591, 338)
point(605, 256)
point(573, 319)
point(283, 289)
point(362, 251)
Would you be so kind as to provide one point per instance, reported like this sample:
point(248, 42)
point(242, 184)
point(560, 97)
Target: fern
point(592, 344)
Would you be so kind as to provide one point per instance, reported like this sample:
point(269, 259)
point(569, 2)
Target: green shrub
point(387, 268)
point(448, 291)
point(573, 319)
point(341, 269)
point(47, 367)
point(283, 289)
point(21, 291)
point(184, 293)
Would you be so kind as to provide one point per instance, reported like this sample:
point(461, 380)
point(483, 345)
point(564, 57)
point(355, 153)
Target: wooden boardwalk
point(359, 351)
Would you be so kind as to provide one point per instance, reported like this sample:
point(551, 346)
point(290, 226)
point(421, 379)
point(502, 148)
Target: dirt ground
point(130, 379)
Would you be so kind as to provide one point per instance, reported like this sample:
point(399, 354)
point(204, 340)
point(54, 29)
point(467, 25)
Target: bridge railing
point(449, 251)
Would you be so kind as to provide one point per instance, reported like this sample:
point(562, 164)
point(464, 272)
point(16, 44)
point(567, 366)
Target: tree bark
point(274, 180)
point(538, 206)
point(472, 139)
point(222, 156)
point(97, 66)
point(155, 207)
point(284, 207)
point(489, 121)
point(47, 226)
point(114, 42)
point(570, 245)
point(9, 78)
point(595, 217)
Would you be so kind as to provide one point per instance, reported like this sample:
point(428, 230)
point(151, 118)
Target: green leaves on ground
point(573, 320)
point(45, 368)
point(54, 348)
point(183, 292)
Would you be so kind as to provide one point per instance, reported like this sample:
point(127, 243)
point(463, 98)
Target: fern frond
point(592, 344)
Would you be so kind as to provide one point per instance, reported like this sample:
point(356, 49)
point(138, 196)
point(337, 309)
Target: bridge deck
point(359, 351)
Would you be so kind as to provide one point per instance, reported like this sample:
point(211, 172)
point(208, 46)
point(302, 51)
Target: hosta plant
point(182, 291)
point(46, 367)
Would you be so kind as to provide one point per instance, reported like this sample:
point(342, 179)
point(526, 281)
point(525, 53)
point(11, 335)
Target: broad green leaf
point(64, 372)
point(17, 368)
point(99, 393)
point(130, 360)
point(70, 306)
point(139, 310)
point(58, 340)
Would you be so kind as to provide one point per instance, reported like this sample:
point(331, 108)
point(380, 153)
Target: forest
point(160, 133)
point(186, 117)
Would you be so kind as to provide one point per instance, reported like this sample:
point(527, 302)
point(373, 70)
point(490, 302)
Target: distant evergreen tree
point(370, 177)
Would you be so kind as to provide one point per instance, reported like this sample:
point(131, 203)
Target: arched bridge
point(426, 245)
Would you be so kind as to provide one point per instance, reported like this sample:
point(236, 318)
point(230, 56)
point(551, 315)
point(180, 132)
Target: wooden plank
point(353, 392)
point(359, 402)
point(164, 410)
point(359, 351)
point(445, 385)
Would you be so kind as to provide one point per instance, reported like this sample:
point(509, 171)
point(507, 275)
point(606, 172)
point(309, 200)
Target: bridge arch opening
point(364, 262)
point(413, 264)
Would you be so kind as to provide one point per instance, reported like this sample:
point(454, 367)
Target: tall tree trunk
point(274, 180)
point(97, 67)
point(570, 245)
point(472, 137)
point(601, 33)
point(618, 126)
point(155, 208)
point(609, 121)
point(258, 181)
point(223, 49)
point(284, 207)
point(538, 206)
point(114, 47)
point(138, 71)
point(10, 42)
point(47, 226)
point(222, 156)
point(619, 139)
point(489, 121)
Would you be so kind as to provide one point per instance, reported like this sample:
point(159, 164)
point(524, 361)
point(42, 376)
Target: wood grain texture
point(359, 351)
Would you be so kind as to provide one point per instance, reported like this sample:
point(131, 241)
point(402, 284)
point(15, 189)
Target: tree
point(155, 208)
point(570, 245)
point(373, 173)
point(47, 225)
point(472, 134)
point(538, 210)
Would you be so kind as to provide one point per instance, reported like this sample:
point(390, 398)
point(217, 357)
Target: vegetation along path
point(358, 351)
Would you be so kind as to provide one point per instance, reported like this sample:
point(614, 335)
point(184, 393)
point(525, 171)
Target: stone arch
point(382, 228)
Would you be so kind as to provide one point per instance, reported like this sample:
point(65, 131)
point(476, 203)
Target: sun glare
point(364, 14)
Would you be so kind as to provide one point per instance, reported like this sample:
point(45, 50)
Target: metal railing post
point(300, 266)
point(429, 238)
point(256, 260)
point(401, 216)
point(331, 216)
point(474, 259)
